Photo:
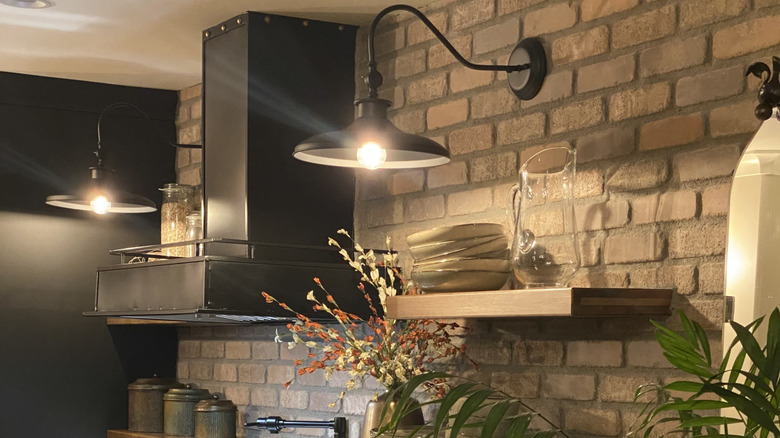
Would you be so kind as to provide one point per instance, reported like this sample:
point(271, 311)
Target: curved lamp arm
point(374, 78)
point(146, 117)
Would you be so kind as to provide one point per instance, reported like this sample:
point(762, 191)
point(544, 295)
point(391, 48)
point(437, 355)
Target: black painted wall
point(60, 372)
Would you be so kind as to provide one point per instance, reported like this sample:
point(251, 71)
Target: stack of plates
point(467, 257)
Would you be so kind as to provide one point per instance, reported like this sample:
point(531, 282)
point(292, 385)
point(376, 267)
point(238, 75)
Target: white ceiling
point(148, 43)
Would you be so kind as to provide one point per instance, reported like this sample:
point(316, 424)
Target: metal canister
point(215, 418)
point(145, 403)
point(179, 410)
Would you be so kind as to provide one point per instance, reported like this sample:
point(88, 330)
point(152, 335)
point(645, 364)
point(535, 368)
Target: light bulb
point(371, 155)
point(100, 204)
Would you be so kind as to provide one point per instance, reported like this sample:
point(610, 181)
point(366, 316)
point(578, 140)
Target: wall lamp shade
point(99, 194)
point(372, 141)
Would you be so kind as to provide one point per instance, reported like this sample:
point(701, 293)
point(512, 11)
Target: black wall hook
point(769, 92)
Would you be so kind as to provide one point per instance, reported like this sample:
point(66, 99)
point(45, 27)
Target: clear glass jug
point(545, 251)
point(176, 205)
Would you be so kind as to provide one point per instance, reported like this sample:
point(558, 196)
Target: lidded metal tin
point(215, 418)
point(179, 410)
point(145, 403)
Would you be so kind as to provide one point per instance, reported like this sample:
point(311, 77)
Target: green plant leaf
point(773, 346)
point(708, 421)
point(449, 401)
point(747, 407)
point(750, 345)
point(545, 434)
point(684, 386)
point(471, 405)
point(519, 426)
point(494, 418)
point(701, 335)
point(692, 405)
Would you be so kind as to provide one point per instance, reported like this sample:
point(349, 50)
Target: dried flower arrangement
point(391, 351)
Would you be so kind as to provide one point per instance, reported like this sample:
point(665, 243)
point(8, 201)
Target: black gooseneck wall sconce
point(372, 141)
point(769, 91)
point(100, 195)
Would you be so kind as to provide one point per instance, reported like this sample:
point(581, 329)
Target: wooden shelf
point(129, 434)
point(532, 303)
point(140, 321)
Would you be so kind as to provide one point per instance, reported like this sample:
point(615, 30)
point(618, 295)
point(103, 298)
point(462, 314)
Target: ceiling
point(147, 43)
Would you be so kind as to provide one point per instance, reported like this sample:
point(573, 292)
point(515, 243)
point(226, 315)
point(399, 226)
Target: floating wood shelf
point(574, 301)
point(129, 434)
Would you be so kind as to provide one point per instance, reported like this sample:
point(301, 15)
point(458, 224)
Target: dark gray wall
point(60, 372)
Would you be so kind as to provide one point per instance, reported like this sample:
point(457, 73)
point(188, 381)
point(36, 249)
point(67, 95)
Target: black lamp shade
point(339, 148)
point(100, 184)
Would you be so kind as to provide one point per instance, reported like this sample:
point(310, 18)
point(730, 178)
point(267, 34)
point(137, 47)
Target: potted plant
point(746, 380)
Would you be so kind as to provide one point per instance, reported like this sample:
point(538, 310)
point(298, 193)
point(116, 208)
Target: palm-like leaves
point(473, 398)
point(753, 390)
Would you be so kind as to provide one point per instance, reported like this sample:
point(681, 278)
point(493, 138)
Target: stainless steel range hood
point(268, 83)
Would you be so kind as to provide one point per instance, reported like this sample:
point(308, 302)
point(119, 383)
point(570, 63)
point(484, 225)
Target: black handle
point(276, 424)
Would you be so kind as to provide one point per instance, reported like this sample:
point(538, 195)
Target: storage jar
point(177, 203)
point(145, 403)
point(215, 418)
point(179, 410)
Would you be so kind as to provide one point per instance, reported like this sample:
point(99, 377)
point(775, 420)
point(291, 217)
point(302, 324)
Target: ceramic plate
point(463, 281)
point(457, 232)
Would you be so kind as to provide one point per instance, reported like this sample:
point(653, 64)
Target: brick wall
point(652, 95)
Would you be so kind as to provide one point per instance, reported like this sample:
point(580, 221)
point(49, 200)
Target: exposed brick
point(521, 129)
point(316, 378)
point(417, 32)
point(265, 396)
point(451, 174)
point(556, 86)
point(490, 353)
point(389, 41)
point(191, 92)
point(711, 278)
point(384, 212)
point(621, 388)
point(671, 131)
point(672, 56)
point(602, 216)
point(201, 370)
point(426, 89)
point(593, 9)
point(447, 114)
point(550, 19)
point(698, 241)
point(355, 404)
point(734, 119)
point(646, 354)
point(212, 349)
point(681, 277)
point(294, 399)
point(531, 352)
point(189, 135)
point(588, 183)
point(321, 401)
point(410, 64)
point(605, 74)
point(471, 12)
point(421, 209)
point(238, 350)
point(594, 353)
point(554, 158)
point(182, 370)
point(715, 200)
point(569, 387)
point(649, 26)
point(639, 102)
point(298, 352)
point(633, 248)
point(639, 175)
point(497, 36)
point(468, 202)
point(408, 181)
point(239, 395)
point(189, 348)
point(439, 56)
point(251, 373)
point(590, 250)
point(547, 222)
point(372, 185)
point(462, 79)
point(600, 422)
point(475, 138)
point(580, 45)
point(766, 3)
point(225, 372)
point(494, 166)
point(600, 279)
point(182, 158)
point(752, 35)
point(708, 86)
point(577, 116)
point(694, 13)
point(664, 207)
point(706, 163)
point(412, 122)
point(507, 6)
point(523, 385)
point(604, 144)
point(280, 374)
point(493, 103)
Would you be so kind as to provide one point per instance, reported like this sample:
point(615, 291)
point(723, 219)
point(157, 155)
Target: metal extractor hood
point(268, 83)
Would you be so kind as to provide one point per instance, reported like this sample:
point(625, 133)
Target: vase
point(373, 417)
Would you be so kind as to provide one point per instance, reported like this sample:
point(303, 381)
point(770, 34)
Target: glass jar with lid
point(177, 203)
point(194, 231)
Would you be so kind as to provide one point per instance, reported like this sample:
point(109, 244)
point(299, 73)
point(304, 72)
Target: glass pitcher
point(545, 252)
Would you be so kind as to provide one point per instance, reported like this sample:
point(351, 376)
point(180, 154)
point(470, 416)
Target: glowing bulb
point(100, 204)
point(371, 155)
